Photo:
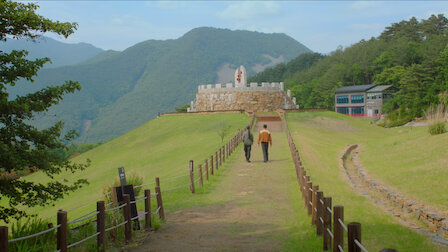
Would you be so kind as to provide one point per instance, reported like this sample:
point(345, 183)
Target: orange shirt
point(264, 136)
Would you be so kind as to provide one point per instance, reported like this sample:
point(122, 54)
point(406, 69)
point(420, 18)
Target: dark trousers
point(264, 147)
point(247, 149)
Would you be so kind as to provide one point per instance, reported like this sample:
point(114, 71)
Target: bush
point(45, 242)
point(395, 118)
point(436, 116)
point(437, 128)
point(133, 178)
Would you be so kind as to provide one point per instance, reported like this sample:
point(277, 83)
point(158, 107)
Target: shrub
point(437, 128)
point(45, 242)
point(436, 116)
point(133, 178)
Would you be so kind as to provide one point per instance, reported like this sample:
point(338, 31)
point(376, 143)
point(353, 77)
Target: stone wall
point(265, 100)
point(253, 86)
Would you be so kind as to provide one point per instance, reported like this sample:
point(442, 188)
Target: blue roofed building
point(362, 100)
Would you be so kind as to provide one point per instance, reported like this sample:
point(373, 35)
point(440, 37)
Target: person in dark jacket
point(248, 140)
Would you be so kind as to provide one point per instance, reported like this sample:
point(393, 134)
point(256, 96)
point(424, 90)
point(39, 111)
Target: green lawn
point(411, 161)
point(162, 147)
point(322, 136)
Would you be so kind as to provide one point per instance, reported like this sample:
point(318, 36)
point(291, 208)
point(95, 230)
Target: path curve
point(408, 212)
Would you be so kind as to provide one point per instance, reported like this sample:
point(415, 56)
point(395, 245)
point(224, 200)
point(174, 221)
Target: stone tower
point(240, 77)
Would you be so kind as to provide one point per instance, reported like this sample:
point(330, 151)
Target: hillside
point(406, 159)
point(61, 54)
point(161, 147)
point(123, 90)
point(411, 54)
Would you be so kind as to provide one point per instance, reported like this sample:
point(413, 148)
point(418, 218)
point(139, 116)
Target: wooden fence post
point(338, 231)
point(306, 190)
point(388, 250)
point(3, 239)
point(62, 231)
point(101, 226)
point(354, 233)
point(157, 181)
point(327, 223)
point(127, 217)
point(223, 153)
point(201, 182)
point(299, 175)
point(314, 206)
point(220, 156)
point(211, 164)
point(319, 224)
point(216, 160)
point(226, 147)
point(148, 223)
point(206, 169)
point(160, 203)
point(303, 183)
point(191, 177)
point(309, 205)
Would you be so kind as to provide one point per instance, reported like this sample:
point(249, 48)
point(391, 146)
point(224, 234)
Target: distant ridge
point(60, 53)
point(122, 90)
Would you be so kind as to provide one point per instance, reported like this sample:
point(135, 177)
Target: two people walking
point(264, 137)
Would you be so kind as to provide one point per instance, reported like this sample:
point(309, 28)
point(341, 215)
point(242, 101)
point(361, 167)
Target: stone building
point(240, 95)
point(363, 100)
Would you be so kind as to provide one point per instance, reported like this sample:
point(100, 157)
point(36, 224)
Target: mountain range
point(122, 90)
point(60, 53)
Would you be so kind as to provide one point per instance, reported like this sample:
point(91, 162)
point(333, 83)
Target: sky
point(322, 26)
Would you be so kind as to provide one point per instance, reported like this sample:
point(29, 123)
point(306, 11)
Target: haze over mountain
point(61, 54)
point(122, 90)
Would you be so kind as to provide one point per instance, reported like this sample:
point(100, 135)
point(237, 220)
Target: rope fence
point(211, 166)
point(34, 235)
point(328, 220)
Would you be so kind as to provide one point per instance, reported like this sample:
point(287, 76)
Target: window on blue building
point(342, 99)
point(342, 110)
point(357, 110)
point(357, 98)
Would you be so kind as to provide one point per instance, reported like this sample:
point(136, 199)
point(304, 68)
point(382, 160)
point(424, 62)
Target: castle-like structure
point(239, 95)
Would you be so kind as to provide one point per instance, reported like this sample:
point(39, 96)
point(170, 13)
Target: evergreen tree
point(23, 146)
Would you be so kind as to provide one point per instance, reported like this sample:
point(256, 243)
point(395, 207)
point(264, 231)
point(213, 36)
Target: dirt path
point(254, 213)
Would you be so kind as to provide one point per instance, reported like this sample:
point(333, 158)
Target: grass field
point(411, 161)
point(161, 147)
point(322, 136)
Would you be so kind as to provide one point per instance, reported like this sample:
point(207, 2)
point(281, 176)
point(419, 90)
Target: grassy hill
point(392, 155)
point(123, 90)
point(161, 147)
point(60, 53)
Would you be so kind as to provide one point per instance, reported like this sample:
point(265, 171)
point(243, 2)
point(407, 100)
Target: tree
point(22, 145)
point(183, 108)
point(222, 129)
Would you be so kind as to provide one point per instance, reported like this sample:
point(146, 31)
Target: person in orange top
point(265, 137)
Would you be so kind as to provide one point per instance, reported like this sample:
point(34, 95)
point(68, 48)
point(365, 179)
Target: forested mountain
point(61, 54)
point(122, 90)
point(412, 55)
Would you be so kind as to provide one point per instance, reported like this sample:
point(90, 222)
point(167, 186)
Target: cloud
point(249, 10)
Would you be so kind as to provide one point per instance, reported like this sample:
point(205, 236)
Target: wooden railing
point(210, 165)
point(329, 222)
